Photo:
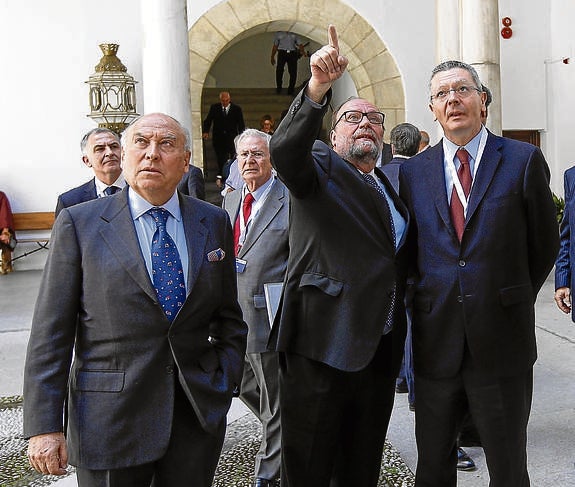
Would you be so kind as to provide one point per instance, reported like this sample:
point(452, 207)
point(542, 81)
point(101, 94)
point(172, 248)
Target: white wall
point(50, 49)
point(560, 91)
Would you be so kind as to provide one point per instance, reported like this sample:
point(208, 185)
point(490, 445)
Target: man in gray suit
point(148, 368)
point(261, 258)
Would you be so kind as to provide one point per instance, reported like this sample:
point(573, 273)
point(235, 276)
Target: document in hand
point(272, 292)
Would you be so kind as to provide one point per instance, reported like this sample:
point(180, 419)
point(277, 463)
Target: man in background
point(424, 143)
point(259, 211)
point(289, 49)
point(100, 152)
point(193, 183)
point(227, 119)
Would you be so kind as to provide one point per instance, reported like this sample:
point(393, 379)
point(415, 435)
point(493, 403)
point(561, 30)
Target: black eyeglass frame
point(363, 114)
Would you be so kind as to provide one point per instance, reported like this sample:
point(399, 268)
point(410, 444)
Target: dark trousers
point(500, 408)
point(225, 150)
point(291, 60)
point(191, 458)
point(334, 422)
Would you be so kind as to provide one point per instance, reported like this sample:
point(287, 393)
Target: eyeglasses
point(355, 117)
point(255, 154)
point(462, 91)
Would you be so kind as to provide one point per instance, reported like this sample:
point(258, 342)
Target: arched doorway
point(372, 69)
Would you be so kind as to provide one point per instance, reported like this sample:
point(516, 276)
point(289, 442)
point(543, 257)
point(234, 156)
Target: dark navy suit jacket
point(481, 293)
point(566, 259)
point(84, 192)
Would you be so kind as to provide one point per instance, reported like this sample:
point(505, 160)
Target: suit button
point(170, 369)
point(460, 299)
point(461, 263)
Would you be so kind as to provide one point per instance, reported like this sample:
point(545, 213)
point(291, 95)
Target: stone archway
point(372, 68)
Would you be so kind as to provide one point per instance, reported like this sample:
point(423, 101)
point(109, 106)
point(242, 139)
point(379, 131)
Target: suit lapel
point(196, 237)
point(485, 172)
point(275, 200)
point(434, 175)
point(119, 233)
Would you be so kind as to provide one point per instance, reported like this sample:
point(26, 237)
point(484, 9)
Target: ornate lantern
point(112, 92)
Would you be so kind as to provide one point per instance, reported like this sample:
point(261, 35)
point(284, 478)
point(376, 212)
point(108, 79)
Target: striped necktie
point(456, 207)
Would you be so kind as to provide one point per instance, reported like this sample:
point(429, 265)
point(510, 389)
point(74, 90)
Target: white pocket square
point(216, 255)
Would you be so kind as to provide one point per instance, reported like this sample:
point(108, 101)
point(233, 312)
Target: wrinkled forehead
point(451, 77)
point(358, 104)
point(102, 138)
point(252, 143)
point(156, 126)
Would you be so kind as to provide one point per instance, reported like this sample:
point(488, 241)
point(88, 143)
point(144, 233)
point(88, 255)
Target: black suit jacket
point(342, 264)
point(226, 127)
point(100, 337)
point(79, 194)
point(480, 293)
point(193, 183)
point(391, 170)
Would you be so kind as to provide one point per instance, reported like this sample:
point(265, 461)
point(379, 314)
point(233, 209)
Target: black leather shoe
point(259, 482)
point(464, 462)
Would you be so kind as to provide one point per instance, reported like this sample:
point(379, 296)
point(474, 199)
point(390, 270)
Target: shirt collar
point(472, 146)
point(258, 193)
point(139, 205)
point(100, 186)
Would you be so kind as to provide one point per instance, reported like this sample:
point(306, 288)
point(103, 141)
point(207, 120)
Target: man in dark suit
point(145, 345)
point(228, 121)
point(100, 152)
point(484, 238)
point(342, 326)
point(404, 138)
point(193, 183)
point(262, 253)
point(564, 274)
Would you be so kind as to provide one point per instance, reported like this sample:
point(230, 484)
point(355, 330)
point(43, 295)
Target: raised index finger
point(332, 37)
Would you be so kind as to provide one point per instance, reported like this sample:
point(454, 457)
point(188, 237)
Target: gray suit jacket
point(100, 337)
point(266, 251)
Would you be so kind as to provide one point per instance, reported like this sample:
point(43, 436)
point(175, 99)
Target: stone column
point(480, 48)
point(166, 60)
point(447, 22)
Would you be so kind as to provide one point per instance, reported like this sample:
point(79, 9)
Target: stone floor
point(234, 470)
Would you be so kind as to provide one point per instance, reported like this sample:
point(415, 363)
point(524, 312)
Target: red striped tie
point(456, 208)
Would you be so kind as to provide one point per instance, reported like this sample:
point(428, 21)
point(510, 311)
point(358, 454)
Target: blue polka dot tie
point(167, 272)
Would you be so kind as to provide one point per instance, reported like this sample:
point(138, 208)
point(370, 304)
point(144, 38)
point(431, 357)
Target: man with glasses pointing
point(342, 327)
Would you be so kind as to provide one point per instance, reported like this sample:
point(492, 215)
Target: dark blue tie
point(369, 179)
point(110, 190)
point(167, 272)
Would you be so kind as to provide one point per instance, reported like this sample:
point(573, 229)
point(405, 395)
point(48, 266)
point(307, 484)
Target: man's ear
point(86, 161)
point(187, 157)
point(332, 138)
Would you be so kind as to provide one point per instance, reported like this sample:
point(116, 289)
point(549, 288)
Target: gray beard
point(356, 153)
